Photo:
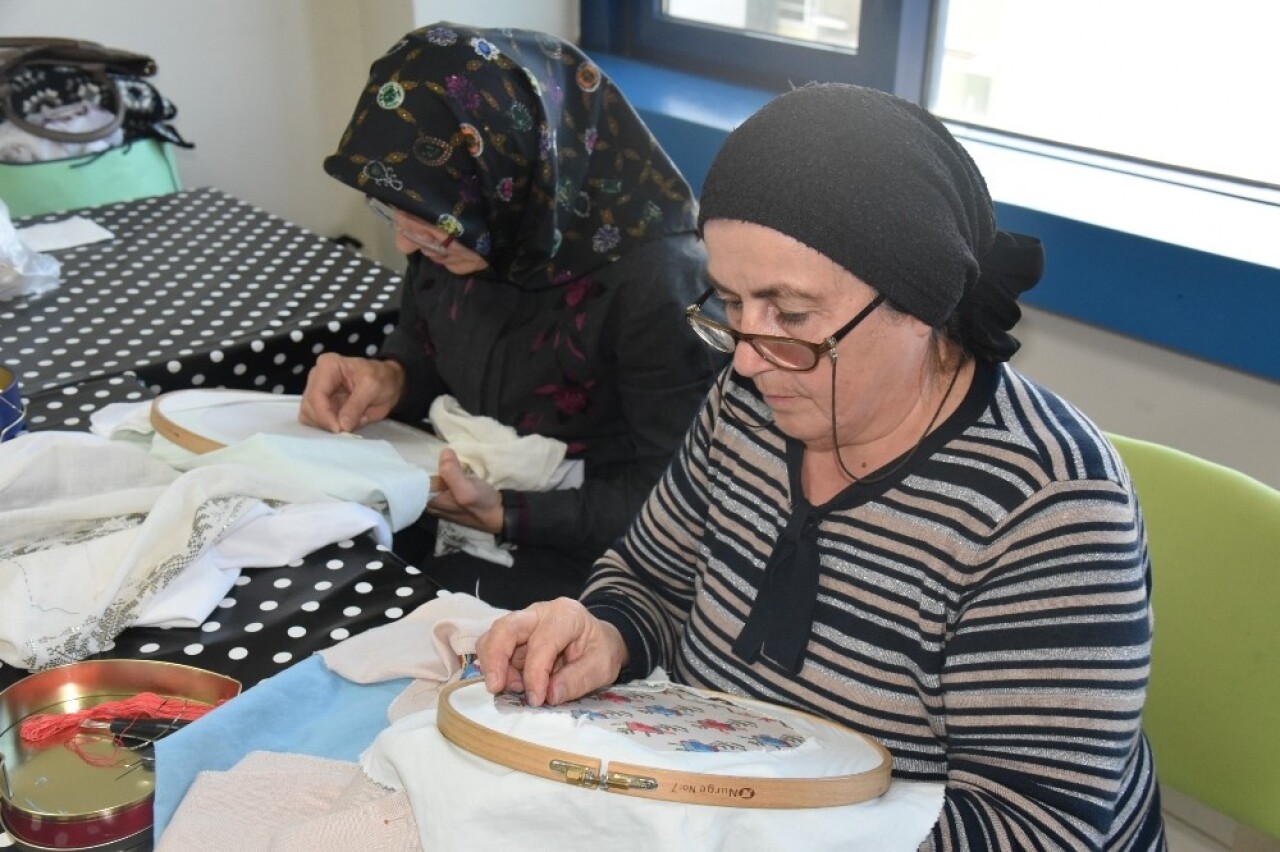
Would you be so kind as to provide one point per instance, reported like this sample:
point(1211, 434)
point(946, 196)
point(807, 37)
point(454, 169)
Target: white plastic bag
point(23, 272)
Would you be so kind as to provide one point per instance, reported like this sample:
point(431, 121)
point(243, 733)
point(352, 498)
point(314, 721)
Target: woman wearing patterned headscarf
point(875, 518)
point(552, 251)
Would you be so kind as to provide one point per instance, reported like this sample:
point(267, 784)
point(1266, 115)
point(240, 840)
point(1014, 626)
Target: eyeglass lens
point(384, 213)
point(781, 353)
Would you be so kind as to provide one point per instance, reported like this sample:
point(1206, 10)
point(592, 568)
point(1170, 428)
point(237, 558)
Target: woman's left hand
point(465, 499)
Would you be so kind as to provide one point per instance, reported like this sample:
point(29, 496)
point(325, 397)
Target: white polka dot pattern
point(266, 627)
point(197, 289)
point(201, 289)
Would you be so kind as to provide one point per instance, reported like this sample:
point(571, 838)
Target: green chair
point(1213, 707)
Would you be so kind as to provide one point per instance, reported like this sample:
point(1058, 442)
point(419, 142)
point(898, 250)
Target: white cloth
point(417, 782)
point(461, 801)
point(503, 458)
point(19, 146)
point(369, 472)
point(94, 533)
point(68, 233)
point(494, 452)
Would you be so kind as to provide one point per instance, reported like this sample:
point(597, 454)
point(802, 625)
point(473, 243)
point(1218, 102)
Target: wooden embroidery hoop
point(203, 420)
point(670, 785)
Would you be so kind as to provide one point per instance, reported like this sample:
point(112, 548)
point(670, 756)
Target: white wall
point(265, 87)
point(1145, 391)
point(558, 17)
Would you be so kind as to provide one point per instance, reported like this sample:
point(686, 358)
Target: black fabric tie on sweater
point(782, 614)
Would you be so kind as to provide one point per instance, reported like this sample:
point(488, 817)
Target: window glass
point(827, 22)
point(1185, 84)
point(1180, 83)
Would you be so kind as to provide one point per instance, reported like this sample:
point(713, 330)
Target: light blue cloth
point(305, 709)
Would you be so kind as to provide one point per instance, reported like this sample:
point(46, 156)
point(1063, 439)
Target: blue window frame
point(893, 53)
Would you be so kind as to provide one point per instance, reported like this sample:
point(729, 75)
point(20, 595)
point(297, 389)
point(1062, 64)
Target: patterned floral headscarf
point(518, 145)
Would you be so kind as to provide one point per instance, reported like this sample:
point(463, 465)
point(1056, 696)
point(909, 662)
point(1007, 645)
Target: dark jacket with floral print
point(603, 363)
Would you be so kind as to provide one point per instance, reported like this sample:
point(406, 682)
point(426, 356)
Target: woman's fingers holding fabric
point(343, 394)
point(555, 650)
point(375, 388)
point(572, 653)
point(589, 663)
point(501, 651)
point(325, 393)
point(465, 499)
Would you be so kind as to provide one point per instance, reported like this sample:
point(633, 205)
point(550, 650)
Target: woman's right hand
point(553, 651)
point(344, 393)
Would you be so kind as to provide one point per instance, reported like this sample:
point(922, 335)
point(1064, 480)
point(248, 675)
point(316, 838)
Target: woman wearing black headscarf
point(875, 518)
point(552, 251)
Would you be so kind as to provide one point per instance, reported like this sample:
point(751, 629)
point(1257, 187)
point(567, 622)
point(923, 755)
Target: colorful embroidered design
point(431, 151)
point(668, 717)
point(497, 104)
point(461, 90)
point(442, 36)
point(472, 139)
point(450, 225)
point(606, 239)
point(484, 48)
point(382, 175)
point(588, 77)
point(391, 95)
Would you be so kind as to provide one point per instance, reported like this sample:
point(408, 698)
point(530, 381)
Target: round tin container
point(51, 797)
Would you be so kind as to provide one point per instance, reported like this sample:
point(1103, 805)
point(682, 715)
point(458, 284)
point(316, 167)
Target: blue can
point(13, 412)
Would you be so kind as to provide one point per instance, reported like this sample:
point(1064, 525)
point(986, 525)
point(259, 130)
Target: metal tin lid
point(100, 792)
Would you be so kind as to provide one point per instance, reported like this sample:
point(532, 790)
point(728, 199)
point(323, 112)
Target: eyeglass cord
point(911, 453)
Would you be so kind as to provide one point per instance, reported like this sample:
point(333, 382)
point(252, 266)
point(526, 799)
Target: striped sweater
point(984, 611)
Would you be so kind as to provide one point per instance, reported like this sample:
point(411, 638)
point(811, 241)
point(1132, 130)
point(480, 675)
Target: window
point(833, 23)
point(1171, 83)
point(772, 44)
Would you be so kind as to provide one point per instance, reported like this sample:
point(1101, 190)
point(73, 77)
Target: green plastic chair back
point(1214, 700)
point(145, 167)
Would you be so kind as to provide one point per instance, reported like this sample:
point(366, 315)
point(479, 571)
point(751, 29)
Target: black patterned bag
point(42, 75)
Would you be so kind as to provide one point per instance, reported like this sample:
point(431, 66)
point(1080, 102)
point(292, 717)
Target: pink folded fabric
point(271, 802)
point(426, 645)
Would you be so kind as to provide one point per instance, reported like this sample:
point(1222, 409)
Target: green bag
point(134, 170)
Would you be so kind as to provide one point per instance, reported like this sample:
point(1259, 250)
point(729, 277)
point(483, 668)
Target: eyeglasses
point(386, 214)
point(785, 353)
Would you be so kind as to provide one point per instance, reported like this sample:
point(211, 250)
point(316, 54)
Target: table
point(199, 288)
point(196, 289)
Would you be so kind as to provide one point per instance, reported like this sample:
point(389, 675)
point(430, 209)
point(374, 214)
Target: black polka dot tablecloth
point(273, 617)
point(70, 406)
point(196, 289)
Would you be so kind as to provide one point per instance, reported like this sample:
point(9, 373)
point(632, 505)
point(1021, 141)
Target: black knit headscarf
point(517, 144)
point(880, 187)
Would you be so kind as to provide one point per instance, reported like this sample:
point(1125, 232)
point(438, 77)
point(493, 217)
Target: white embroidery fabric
point(94, 533)
point(504, 459)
